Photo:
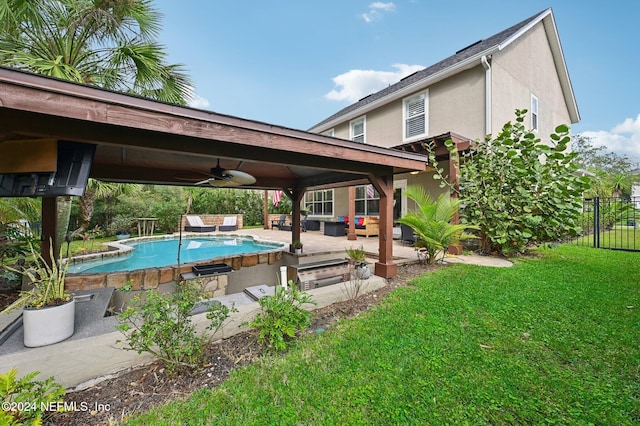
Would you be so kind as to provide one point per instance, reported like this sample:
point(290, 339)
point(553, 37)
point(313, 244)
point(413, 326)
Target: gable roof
point(463, 59)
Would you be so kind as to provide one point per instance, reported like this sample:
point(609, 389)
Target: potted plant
point(297, 246)
point(358, 258)
point(121, 226)
point(48, 314)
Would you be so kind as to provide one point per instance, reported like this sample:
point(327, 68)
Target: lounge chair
point(281, 224)
point(197, 225)
point(230, 223)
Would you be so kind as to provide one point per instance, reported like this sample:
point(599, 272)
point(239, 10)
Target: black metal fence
point(611, 223)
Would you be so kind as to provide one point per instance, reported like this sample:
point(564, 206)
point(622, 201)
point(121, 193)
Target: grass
point(621, 237)
point(553, 340)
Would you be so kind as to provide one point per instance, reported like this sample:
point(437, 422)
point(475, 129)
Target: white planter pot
point(298, 251)
point(48, 325)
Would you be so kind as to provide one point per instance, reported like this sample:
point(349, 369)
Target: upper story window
point(534, 112)
point(358, 127)
point(319, 203)
point(330, 132)
point(415, 111)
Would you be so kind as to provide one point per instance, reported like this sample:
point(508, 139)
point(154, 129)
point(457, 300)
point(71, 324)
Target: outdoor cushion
point(195, 220)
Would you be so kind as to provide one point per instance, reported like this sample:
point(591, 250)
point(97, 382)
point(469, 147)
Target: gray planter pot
point(48, 325)
point(362, 272)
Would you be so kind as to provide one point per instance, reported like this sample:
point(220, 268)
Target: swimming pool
point(164, 252)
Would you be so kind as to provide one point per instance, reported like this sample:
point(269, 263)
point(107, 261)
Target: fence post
point(596, 222)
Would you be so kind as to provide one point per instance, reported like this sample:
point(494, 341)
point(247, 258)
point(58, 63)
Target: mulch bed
point(138, 390)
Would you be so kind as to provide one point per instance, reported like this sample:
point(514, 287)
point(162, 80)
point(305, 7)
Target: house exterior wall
point(526, 67)
point(458, 104)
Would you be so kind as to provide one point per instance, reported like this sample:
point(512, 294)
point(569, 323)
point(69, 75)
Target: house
point(464, 97)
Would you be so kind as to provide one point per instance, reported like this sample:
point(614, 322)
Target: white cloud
point(356, 84)
point(196, 101)
point(377, 10)
point(623, 139)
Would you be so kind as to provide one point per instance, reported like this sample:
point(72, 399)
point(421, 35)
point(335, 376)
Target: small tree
point(521, 191)
point(432, 222)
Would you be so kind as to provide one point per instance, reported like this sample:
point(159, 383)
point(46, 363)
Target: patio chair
point(407, 235)
point(230, 223)
point(197, 225)
point(281, 224)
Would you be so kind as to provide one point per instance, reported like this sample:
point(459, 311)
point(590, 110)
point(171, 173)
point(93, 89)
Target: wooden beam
point(385, 267)
point(351, 235)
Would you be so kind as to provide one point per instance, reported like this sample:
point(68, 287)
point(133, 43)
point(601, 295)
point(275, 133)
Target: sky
point(294, 63)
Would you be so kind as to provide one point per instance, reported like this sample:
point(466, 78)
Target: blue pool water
point(159, 253)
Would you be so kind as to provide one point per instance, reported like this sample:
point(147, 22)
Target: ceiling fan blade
point(240, 178)
point(220, 183)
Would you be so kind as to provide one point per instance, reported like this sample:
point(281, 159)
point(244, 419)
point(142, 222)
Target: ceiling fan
point(224, 177)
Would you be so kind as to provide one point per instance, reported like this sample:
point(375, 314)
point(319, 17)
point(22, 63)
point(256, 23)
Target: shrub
point(281, 316)
point(431, 222)
point(25, 400)
point(521, 191)
point(160, 324)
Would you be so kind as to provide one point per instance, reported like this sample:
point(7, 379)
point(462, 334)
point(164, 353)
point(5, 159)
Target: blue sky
point(294, 63)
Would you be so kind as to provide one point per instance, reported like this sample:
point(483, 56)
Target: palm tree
point(107, 43)
point(431, 222)
point(98, 189)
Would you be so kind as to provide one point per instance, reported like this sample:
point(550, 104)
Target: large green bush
point(520, 190)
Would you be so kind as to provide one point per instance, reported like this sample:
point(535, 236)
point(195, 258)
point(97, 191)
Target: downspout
point(487, 96)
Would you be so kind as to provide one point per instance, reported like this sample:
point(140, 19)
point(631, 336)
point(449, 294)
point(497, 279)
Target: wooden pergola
point(142, 141)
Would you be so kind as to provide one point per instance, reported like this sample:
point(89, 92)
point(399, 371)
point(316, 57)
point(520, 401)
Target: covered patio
point(143, 141)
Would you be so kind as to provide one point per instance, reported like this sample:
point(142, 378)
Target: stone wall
point(151, 278)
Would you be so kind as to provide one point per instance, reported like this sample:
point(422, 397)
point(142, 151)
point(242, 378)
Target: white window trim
point(535, 115)
point(364, 128)
point(365, 199)
point(333, 203)
point(331, 132)
point(425, 93)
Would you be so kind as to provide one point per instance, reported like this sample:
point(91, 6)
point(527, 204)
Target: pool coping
point(151, 278)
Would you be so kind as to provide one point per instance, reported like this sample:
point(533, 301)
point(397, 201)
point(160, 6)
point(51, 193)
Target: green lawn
point(553, 340)
point(621, 237)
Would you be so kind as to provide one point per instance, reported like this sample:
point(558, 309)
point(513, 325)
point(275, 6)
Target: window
point(367, 201)
point(330, 132)
point(534, 113)
point(357, 130)
point(319, 203)
point(415, 116)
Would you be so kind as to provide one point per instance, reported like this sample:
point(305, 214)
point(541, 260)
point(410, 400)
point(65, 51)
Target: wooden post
point(266, 209)
point(385, 267)
point(454, 181)
point(49, 228)
point(352, 214)
point(296, 198)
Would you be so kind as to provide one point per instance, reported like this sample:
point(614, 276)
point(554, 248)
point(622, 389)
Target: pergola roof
point(144, 141)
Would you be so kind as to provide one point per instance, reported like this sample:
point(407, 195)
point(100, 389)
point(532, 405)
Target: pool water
point(160, 253)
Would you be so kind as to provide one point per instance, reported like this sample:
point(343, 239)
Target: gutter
point(487, 94)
